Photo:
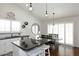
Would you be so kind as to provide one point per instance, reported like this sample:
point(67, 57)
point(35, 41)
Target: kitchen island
point(34, 50)
point(6, 45)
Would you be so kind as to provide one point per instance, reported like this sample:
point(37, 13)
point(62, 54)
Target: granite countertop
point(33, 50)
point(12, 37)
point(28, 44)
point(26, 48)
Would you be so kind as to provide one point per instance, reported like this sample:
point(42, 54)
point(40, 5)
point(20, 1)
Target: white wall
point(20, 15)
point(75, 21)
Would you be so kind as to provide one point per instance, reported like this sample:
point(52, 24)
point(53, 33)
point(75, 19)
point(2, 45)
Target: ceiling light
point(30, 8)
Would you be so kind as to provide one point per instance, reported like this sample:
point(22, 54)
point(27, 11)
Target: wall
point(20, 15)
point(75, 21)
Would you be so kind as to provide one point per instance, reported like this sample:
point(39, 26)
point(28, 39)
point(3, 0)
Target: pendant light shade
point(30, 8)
point(46, 13)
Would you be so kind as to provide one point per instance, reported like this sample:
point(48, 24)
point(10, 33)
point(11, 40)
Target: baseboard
point(76, 46)
point(68, 45)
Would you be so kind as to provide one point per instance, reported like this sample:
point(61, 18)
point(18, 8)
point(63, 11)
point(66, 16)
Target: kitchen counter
point(31, 50)
point(12, 37)
point(6, 45)
point(29, 44)
point(28, 47)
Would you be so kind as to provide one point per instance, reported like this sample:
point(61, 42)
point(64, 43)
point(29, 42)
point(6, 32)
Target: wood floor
point(64, 51)
point(60, 51)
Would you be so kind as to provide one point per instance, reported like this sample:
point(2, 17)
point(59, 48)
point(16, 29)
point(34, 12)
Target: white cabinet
point(38, 51)
point(6, 45)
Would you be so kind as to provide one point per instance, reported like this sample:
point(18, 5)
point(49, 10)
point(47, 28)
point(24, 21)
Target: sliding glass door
point(61, 33)
point(69, 33)
point(64, 30)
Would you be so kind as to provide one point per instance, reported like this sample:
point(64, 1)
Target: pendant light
point(53, 17)
point(46, 13)
point(30, 8)
point(53, 21)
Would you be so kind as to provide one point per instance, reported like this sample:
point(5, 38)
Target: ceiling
point(62, 10)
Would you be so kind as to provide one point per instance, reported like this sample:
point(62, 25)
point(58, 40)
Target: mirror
point(35, 28)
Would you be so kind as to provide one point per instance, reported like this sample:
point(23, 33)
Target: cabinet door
point(5, 46)
point(41, 54)
point(8, 45)
point(18, 52)
point(2, 48)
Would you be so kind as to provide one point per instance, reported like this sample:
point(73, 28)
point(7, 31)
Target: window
point(50, 29)
point(69, 33)
point(55, 29)
point(5, 26)
point(16, 26)
point(61, 33)
point(64, 31)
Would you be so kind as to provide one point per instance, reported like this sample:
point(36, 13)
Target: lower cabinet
point(34, 52)
point(38, 51)
point(6, 45)
point(41, 54)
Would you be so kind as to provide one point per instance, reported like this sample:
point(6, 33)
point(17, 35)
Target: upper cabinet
point(9, 26)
